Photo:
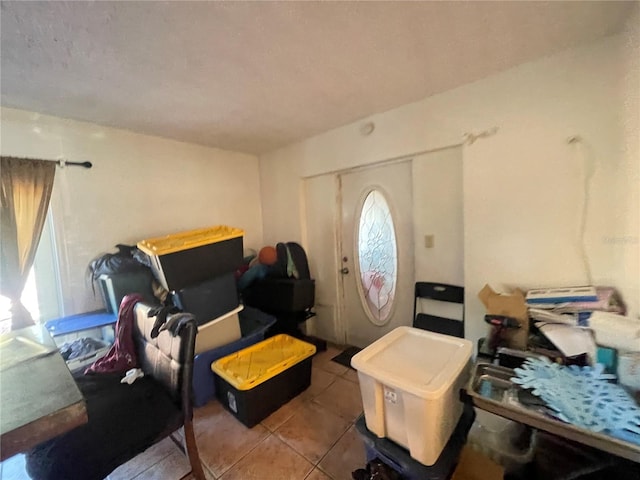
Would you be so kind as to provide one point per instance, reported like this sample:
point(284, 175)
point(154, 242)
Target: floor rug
point(344, 358)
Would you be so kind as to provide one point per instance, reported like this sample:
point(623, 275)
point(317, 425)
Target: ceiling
point(254, 76)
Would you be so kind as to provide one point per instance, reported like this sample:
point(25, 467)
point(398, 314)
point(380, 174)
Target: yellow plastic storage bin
point(254, 382)
point(187, 258)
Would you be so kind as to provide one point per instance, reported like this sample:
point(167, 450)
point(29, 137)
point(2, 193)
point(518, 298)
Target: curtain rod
point(61, 162)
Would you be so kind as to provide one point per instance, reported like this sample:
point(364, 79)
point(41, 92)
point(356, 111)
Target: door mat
point(344, 358)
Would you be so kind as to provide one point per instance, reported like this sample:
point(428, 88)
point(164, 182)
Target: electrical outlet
point(428, 241)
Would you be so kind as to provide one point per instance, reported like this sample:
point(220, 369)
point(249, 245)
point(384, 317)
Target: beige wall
point(140, 186)
point(320, 196)
point(523, 187)
point(437, 203)
point(627, 245)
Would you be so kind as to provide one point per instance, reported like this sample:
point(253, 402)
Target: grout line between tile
point(243, 456)
point(317, 468)
point(154, 464)
point(294, 449)
point(335, 377)
point(315, 464)
point(328, 371)
point(143, 471)
point(351, 424)
point(325, 472)
point(208, 470)
point(333, 445)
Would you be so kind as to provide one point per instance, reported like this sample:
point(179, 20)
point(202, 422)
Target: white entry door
point(376, 251)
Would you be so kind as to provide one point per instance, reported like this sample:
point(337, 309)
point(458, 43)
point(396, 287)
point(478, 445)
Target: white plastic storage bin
point(410, 381)
point(219, 331)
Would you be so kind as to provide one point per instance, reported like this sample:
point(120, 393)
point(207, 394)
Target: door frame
point(341, 324)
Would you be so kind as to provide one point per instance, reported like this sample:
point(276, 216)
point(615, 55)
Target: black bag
point(124, 261)
point(279, 269)
point(299, 260)
point(375, 470)
point(282, 269)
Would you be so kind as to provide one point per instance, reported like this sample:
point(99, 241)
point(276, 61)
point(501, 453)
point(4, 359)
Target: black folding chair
point(440, 292)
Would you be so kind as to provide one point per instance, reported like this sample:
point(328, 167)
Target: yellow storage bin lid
point(189, 239)
point(260, 362)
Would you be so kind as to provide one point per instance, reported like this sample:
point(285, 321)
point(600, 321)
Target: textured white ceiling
point(252, 76)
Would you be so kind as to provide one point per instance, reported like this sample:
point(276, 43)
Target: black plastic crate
point(400, 460)
point(281, 295)
point(254, 405)
point(191, 266)
point(115, 286)
point(210, 299)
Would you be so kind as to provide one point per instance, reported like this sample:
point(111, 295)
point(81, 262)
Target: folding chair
point(442, 293)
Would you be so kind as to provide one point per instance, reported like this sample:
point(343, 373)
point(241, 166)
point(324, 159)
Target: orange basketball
point(267, 255)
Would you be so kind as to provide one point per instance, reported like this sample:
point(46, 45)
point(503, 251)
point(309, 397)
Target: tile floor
point(310, 438)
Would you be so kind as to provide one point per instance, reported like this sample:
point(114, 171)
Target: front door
point(376, 251)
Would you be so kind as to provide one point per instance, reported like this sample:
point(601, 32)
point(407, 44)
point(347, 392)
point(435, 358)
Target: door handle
point(344, 270)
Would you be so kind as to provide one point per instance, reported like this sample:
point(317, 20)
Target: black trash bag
point(376, 470)
point(126, 260)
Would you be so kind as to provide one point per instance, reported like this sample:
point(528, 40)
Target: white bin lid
point(220, 318)
point(417, 361)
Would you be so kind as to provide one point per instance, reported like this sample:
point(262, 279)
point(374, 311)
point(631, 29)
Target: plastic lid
point(417, 361)
point(189, 239)
point(260, 362)
point(224, 316)
point(83, 321)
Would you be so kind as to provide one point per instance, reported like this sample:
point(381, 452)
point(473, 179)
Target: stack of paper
point(572, 305)
point(570, 340)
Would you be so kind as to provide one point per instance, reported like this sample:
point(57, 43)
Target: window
point(41, 294)
point(377, 257)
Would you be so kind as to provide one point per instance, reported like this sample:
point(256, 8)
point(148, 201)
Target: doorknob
point(344, 271)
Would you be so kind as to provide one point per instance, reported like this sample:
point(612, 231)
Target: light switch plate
point(428, 241)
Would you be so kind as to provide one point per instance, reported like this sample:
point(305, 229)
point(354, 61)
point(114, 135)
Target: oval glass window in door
point(377, 257)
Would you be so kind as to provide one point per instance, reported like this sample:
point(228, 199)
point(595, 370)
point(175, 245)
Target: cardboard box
point(512, 305)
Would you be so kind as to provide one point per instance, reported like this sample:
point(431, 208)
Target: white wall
point(139, 187)
point(522, 187)
point(437, 203)
point(320, 239)
point(627, 242)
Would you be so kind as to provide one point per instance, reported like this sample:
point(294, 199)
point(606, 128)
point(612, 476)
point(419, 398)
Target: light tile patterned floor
point(310, 438)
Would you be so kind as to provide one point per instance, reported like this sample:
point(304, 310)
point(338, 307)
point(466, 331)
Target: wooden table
point(38, 397)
